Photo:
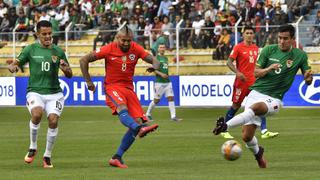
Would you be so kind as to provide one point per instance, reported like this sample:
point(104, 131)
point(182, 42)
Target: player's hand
point(91, 86)
point(150, 69)
point(308, 77)
point(13, 68)
point(63, 63)
point(165, 76)
point(274, 66)
point(241, 76)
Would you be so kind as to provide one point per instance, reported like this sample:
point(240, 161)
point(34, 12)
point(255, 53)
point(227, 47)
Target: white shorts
point(51, 103)
point(162, 88)
point(273, 105)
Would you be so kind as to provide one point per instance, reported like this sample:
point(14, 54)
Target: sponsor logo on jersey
point(132, 57)
point(289, 63)
point(54, 58)
point(37, 57)
point(311, 93)
point(273, 59)
point(113, 58)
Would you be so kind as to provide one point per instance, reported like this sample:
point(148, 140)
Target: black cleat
point(221, 126)
point(262, 163)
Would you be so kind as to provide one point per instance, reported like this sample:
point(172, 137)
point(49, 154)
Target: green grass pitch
point(89, 136)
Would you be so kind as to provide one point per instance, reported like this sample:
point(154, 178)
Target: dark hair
point(248, 28)
point(43, 24)
point(287, 28)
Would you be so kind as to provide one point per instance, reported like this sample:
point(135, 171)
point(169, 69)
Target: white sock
point(172, 109)
point(241, 118)
point(264, 131)
point(151, 106)
point(51, 138)
point(33, 134)
point(253, 145)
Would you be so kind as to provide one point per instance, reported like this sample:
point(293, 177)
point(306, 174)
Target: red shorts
point(116, 95)
point(240, 91)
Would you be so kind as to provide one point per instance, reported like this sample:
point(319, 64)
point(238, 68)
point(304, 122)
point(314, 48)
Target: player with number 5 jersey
point(121, 57)
point(44, 92)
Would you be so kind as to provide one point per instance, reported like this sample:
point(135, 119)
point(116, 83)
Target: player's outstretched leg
point(221, 126)
point(229, 115)
point(144, 130)
point(116, 161)
point(34, 128)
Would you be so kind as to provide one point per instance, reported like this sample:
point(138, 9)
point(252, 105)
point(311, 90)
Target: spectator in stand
point(63, 17)
point(25, 4)
point(145, 11)
point(217, 33)
point(182, 31)
point(140, 31)
point(55, 27)
point(247, 12)
point(117, 6)
point(316, 31)
point(133, 25)
point(193, 13)
point(270, 10)
point(208, 33)
point(44, 16)
point(5, 27)
point(157, 25)
point(257, 23)
point(125, 13)
point(223, 46)
point(21, 26)
point(137, 11)
point(137, 4)
point(196, 34)
point(104, 34)
point(74, 19)
point(172, 14)
point(168, 26)
point(260, 8)
point(164, 8)
point(98, 12)
point(130, 5)
point(211, 12)
point(147, 33)
point(187, 33)
point(233, 37)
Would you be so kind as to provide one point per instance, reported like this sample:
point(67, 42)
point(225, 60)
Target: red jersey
point(119, 66)
point(246, 57)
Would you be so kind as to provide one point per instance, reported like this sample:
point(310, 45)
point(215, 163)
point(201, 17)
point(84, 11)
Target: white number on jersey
point(45, 66)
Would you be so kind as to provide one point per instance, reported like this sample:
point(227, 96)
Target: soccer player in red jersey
point(121, 57)
point(245, 55)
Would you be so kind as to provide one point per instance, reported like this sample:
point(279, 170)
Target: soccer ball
point(231, 150)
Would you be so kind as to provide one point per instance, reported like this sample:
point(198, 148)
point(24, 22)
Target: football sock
point(127, 120)
point(33, 134)
point(151, 106)
point(263, 125)
point(172, 109)
point(230, 114)
point(126, 142)
point(51, 138)
point(241, 118)
point(253, 145)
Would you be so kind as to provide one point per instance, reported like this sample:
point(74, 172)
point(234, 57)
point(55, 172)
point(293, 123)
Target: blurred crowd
point(206, 23)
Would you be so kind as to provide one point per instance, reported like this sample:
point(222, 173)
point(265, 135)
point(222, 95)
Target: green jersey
point(277, 82)
point(164, 68)
point(44, 67)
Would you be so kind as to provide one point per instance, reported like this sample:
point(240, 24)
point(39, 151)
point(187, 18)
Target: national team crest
point(54, 58)
point(289, 63)
point(124, 58)
point(132, 57)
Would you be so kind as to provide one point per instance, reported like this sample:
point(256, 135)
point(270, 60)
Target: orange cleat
point(147, 129)
point(262, 163)
point(47, 162)
point(117, 163)
point(30, 156)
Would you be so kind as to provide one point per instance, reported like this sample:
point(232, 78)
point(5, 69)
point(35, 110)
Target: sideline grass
point(88, 137)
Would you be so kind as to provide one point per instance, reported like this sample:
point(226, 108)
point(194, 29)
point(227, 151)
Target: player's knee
point(53, 121)
point(259, 109)
point(36, 114)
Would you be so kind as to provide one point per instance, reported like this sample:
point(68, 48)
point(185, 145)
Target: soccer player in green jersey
point(163, 85)
point(275, 71)
point(43, 92)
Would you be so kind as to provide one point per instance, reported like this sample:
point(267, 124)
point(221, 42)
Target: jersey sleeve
point(23, 57)
point(305, 65)
point(141, 53)
point(234, 52)
point(263, 57)
point(102, 52)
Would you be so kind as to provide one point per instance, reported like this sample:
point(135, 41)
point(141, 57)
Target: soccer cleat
point(269, 134)
point(226, 135)
point(221, 126)
point(47, 162)
point(144, 130)
point(116, 161)
point(262, 163)
point(176, 119)
point(30, 156)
